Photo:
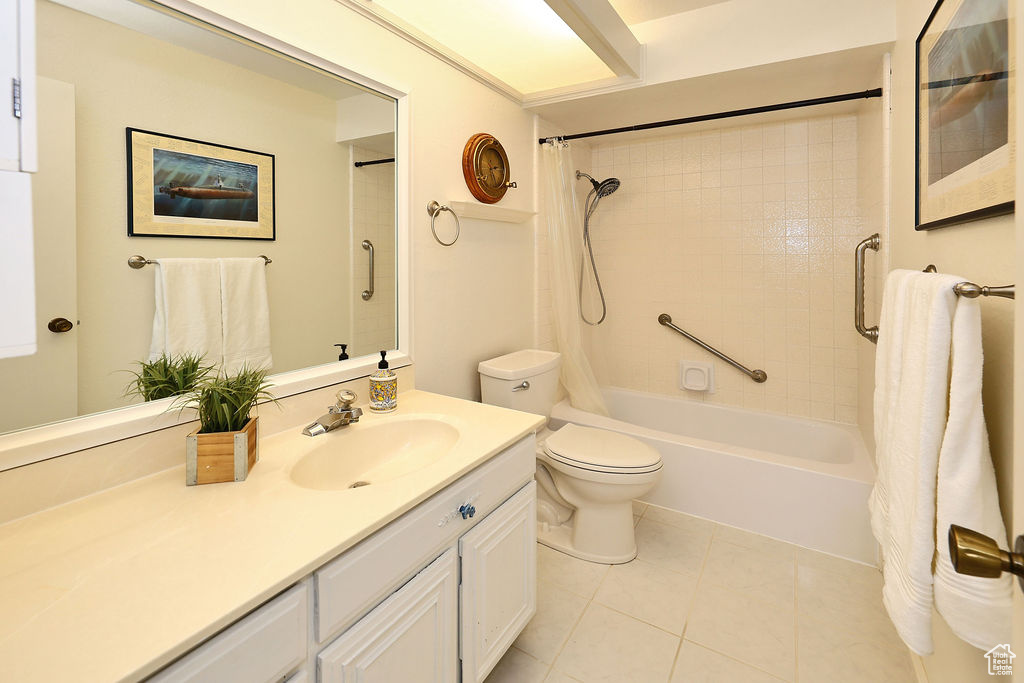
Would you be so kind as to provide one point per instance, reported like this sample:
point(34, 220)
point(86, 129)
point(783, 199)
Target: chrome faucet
point(340, 414)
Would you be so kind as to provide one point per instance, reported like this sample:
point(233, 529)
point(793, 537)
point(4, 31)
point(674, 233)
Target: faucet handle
point(345, 399)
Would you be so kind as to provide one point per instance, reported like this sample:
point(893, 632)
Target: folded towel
point(911, 389)
point(977, 610)
point(245, 313)
point(188, 315)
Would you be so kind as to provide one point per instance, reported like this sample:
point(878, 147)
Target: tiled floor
point(706, 602)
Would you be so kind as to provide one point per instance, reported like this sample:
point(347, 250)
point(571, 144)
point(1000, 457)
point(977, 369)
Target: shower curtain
point(565, 239)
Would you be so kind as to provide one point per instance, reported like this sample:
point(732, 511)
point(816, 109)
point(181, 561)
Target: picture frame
point(180, 187)
point(964, 128)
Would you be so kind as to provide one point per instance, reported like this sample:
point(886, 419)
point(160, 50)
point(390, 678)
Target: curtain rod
point(865, 94)
point(360, 164)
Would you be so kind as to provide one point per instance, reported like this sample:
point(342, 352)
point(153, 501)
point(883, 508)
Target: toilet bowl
point(588, 478)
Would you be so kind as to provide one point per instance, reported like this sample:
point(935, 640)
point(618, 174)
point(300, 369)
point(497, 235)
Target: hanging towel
point(245, 313)
point(187, 317)
point(977, 610)
point(911, 389)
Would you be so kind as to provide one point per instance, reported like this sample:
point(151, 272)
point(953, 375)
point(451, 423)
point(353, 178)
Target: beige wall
point(983, 252)
point(473, 300)
point(126, 79)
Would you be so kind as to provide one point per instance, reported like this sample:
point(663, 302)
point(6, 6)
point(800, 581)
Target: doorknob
point(59, 325)
point(975, 554)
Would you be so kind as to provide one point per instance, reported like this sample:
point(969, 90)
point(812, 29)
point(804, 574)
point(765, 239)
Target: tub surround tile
point(743, 627)
point(647, 592)
point(697, 664)
point(611, 647)
point(558, 610)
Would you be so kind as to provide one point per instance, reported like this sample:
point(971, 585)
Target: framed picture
point(179, 187)
point(965, 132)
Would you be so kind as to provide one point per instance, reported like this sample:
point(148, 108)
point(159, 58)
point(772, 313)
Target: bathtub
point(797, 480)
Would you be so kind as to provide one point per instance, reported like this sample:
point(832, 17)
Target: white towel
point(245, 314)
point(188, 309)
point(911, 388)
point(977, 610)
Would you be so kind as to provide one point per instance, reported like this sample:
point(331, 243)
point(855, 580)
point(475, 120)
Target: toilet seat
point(600, 451)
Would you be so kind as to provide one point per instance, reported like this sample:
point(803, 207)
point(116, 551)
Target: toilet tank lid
point(520, 364)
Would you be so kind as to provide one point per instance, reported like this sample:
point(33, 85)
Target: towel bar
point(137, 261)
point(969, 290)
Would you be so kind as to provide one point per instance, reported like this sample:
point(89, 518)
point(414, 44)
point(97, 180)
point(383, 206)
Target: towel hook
point(435, 209)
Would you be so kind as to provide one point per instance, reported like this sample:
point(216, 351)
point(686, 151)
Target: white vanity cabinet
point(436, 596)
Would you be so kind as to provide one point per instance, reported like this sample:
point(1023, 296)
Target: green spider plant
point(168, 376)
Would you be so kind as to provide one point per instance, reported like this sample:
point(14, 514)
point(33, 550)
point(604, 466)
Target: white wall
point(473, 300)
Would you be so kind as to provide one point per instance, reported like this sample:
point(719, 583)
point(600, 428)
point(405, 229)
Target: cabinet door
point(411, 636)
point(499, 582)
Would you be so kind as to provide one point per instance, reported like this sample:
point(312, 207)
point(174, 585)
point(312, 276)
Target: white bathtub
point(802, 481)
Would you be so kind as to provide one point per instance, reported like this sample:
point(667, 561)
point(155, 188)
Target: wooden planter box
point(222, 456)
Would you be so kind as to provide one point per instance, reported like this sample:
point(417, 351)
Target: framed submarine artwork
point(179, 187)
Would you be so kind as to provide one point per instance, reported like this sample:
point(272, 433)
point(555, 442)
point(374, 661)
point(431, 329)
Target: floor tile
point(518, 667)
point(558, 610)
point(650, 593)
point(679, 548)
point(678, 519)
point(638, 508)
point(698, 664)
point(609, 647)
point(749, 539)
point(768, 574)
point(559, 677)
point(571, 573)
point(841, 652)
point(830, 588)
point(742, 627)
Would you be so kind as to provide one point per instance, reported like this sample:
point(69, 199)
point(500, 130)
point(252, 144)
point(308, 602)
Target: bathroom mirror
point(106, 66)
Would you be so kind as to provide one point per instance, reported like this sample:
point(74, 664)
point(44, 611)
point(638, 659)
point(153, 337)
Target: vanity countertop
point(116, 585)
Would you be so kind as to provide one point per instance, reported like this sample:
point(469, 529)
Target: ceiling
point(638, 11)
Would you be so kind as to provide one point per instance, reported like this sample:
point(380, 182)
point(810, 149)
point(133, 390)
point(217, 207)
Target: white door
point(48, 380)
point(411, 636)
point(499, 582)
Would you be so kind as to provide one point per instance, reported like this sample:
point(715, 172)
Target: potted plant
point(225, 446)
point(167, 376)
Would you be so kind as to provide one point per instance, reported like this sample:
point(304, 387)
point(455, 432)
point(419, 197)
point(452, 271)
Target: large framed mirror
point(196, 87)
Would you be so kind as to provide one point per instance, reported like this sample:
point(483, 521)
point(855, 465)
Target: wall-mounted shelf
point(489, 212)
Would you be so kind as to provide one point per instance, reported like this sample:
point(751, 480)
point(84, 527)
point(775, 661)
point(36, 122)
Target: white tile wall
point(373, 218)
point(745, 236)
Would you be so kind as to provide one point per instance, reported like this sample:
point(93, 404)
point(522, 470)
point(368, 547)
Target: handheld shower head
point(603, 188)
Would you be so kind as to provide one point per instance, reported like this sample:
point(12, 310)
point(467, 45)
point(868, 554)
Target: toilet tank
point(500, 378)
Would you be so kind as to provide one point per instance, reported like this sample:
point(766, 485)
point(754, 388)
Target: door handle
point(976, 554)
point(59, 325)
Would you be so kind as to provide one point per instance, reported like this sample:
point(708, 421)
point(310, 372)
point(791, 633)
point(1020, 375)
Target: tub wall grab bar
point(869, 333)
point(758, 376)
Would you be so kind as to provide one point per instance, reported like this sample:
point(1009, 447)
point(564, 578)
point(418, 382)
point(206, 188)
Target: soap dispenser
point(344, 352)
point(383, 387)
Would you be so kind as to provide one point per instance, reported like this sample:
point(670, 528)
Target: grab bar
point(756, 375)
point(869, 333)
point(367, 293)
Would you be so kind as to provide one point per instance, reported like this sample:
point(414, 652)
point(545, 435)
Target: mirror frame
point(34, 444)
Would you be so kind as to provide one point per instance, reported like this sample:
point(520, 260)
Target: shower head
point(603, 188)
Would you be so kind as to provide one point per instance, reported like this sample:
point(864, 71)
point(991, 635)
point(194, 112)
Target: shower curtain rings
point(435, 209)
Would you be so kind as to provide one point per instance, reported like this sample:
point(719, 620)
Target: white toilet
point(587, 477)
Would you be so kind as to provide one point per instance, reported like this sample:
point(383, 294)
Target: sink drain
point(358, 484)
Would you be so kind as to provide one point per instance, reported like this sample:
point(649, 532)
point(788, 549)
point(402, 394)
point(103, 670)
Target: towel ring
point(435, 209)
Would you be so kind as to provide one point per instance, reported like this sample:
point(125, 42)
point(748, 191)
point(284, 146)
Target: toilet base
point(560, 538)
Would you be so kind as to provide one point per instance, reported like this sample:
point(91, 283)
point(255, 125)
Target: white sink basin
point(360, 455)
